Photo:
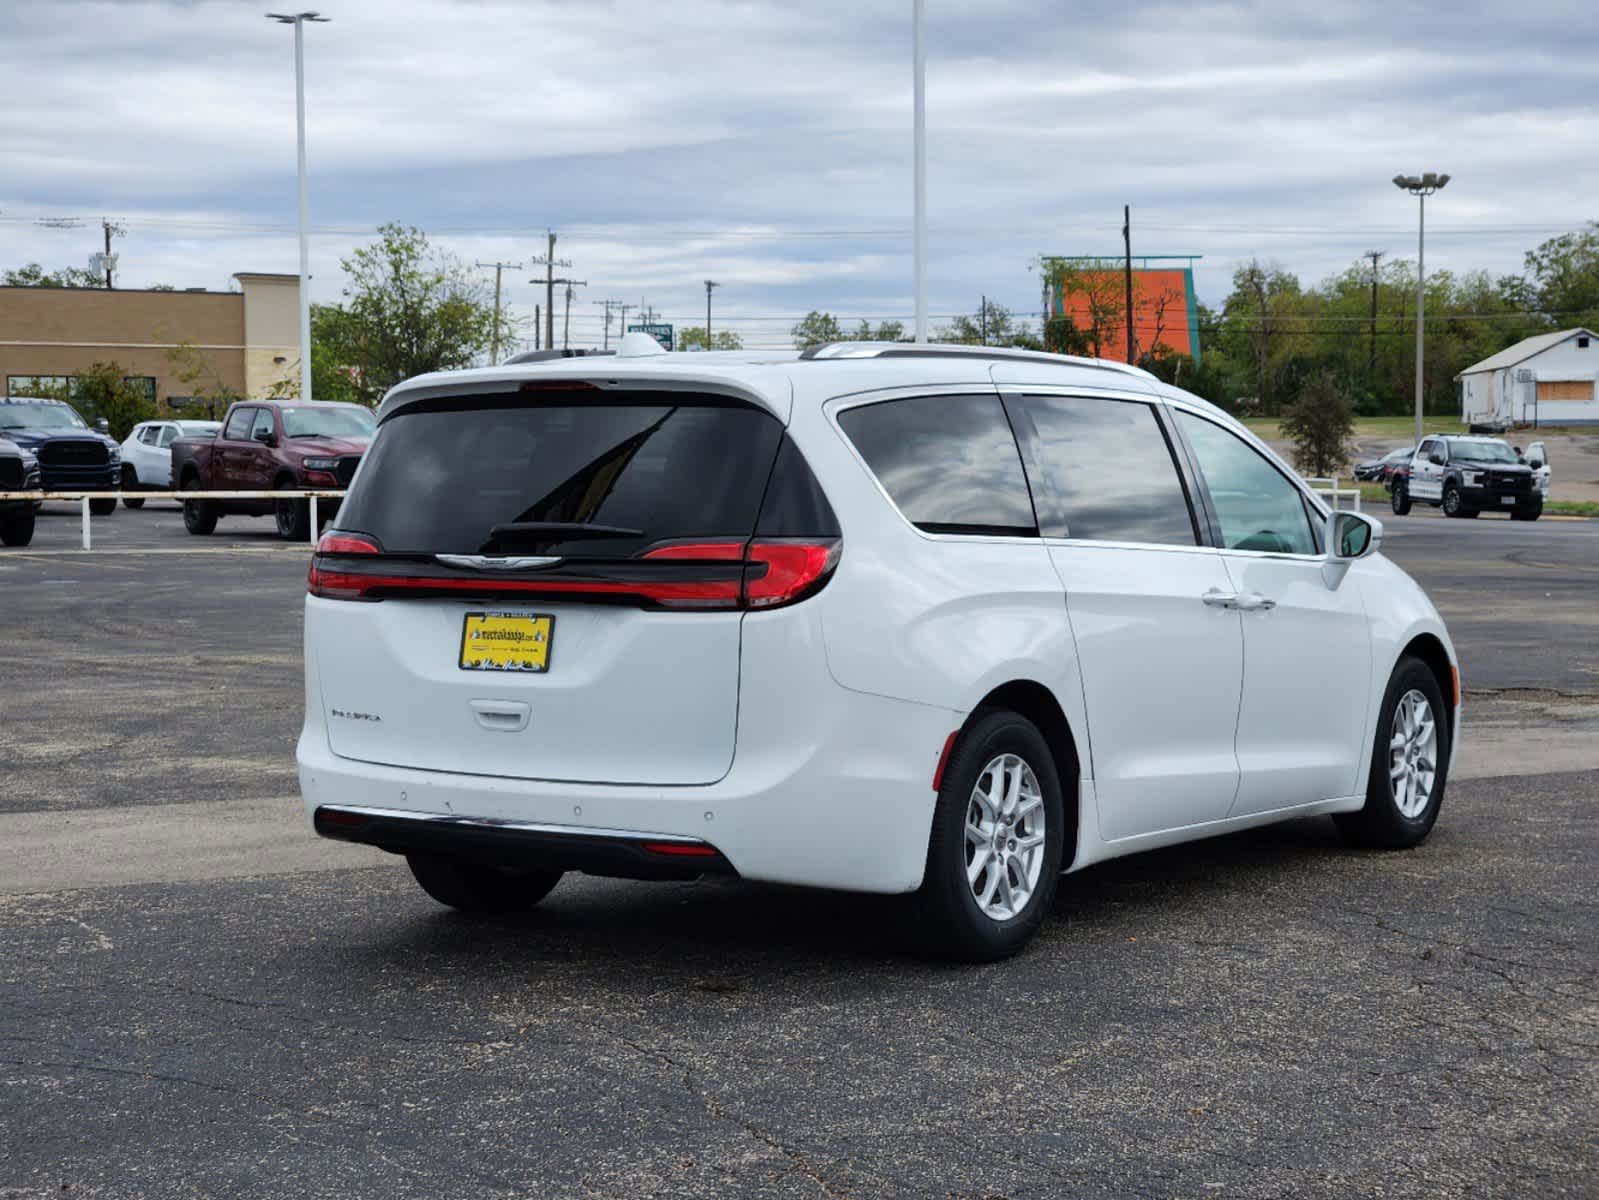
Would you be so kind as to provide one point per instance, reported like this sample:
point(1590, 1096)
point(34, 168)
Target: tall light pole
point(298, 20)
point(1420, 186)
point(710, 284)
point(919, 122)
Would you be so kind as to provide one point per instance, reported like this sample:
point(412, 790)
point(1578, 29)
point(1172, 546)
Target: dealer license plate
point(506, 641)
point(1508, 501)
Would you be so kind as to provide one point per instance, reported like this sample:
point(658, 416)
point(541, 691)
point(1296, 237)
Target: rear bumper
point(595, 851)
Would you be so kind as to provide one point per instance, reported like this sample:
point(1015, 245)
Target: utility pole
point(112, 229)
point(1127, 246)
point(709, 284)
point(566, 327)
point(494, 350)
point(608, 305)
point(549, 262)
point(1371, 367)
point(624, 308)
point(982, 317)
point(538, 329)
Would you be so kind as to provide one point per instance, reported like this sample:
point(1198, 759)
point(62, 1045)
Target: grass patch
point(1571, 508)
point(1367, 428)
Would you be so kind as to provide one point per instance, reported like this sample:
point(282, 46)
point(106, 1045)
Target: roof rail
point(830, 350)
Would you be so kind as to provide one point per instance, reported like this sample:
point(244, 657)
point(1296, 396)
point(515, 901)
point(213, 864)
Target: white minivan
point(938, 621)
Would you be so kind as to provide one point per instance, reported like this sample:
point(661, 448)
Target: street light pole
point(709, 284)
point(919, 122)
point(1420, 186)
point(298, 20)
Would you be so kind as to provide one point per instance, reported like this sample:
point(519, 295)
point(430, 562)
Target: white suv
point(888, 618)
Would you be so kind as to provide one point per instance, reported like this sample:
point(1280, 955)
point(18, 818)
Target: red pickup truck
point(272, 445)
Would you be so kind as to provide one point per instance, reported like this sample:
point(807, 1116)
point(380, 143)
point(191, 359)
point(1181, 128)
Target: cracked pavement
point(1263, 1015)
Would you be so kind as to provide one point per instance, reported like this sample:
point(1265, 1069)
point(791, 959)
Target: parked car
point(272, 445)
point(939, 621)
point(1537, 458)
point(1377, 470)
point(19, 472)
point(72, 456)
point(1465, 475)
point(147, 455)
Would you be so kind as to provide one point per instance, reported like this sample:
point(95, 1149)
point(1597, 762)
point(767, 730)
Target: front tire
point(130, 481)
point(1409, 763)
point(293, 516)
point(16, 526)
point(1400, 501)
point(1530, 513)
point(480, 887)
point(994, 855)
point(103, 506)
point(1454, 505)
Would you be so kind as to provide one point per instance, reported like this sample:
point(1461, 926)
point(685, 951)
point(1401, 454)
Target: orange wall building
point(1165, 311)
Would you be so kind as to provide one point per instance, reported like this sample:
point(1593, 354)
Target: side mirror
point(1535, 463)
point(1436, 460)
point(103, 425)
point(1352, 535)
point(265, 436)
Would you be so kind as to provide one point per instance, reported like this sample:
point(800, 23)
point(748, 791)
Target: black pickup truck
point(72, 456)
point(1467, 475)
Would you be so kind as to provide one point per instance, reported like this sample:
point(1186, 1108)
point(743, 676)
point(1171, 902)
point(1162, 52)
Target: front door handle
point(1219, 599)
point(1254, 602)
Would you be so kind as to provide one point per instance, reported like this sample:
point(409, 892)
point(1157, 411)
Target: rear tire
point(16, 526)
point(1396, 816)
point(199, 517)
point(985, 891)
point(481, 887)
point(293, 516)
point(1400, 502)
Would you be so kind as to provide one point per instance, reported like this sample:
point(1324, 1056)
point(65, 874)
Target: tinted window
point(441, 475)
point(168, 435)
point(794, 505)
point(327, 420)
point(1112, 471)
point(264, 423)
point(149, 433)
point(238, 426)
point(949, 462)
point(1259, 509)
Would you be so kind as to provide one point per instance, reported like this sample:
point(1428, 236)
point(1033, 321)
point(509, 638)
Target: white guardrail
point(1334, 494)
point(84, 497)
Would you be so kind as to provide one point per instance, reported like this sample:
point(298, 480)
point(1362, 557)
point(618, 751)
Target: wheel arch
point(283, 476)
point(1431, 651)
point(1038, 704)
point(188, 474)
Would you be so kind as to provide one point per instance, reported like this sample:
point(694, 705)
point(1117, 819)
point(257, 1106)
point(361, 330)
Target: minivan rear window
point(667, 466)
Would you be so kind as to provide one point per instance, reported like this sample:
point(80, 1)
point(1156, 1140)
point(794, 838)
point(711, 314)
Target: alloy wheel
point(1413, 754)
point(1004, 837)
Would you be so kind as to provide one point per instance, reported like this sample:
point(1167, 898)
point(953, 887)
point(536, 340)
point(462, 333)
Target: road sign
point(661, 333)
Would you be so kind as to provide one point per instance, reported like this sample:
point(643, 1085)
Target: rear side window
point(659, 466)
point(949, 462)
point(1112, 470)
point(238, 428)
point(794, 505)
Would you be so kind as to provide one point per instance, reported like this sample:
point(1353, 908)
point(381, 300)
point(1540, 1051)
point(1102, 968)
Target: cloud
point(766, 145)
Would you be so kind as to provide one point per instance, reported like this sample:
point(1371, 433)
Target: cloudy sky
point(767, 145)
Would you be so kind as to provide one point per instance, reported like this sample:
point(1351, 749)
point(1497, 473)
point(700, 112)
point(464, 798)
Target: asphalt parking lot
point(200, 999)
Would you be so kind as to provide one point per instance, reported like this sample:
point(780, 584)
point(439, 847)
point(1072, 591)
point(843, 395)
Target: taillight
point(774, 572)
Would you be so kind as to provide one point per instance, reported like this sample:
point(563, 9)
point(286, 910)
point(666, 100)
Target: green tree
point(886, 331)
point(1320, 423)
point(694, 338)
point(991, 325)
point(817, 329)
point(102, 392)
point(191, 366)
point(34, 275)
point(409, 309)
point(1564, 275)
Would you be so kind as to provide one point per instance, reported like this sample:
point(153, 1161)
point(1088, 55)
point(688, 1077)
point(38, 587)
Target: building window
point(143, 383)
point(52, 387)
point(1582, 343)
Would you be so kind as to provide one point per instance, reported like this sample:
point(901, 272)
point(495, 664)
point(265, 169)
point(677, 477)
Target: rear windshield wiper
point(558, 531)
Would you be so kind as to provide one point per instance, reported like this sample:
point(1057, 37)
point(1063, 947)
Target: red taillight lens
point(681, 849)
point(793, 571)
point(346, 543)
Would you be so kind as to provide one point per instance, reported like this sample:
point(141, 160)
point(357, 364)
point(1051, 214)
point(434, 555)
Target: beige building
point(181, 344)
